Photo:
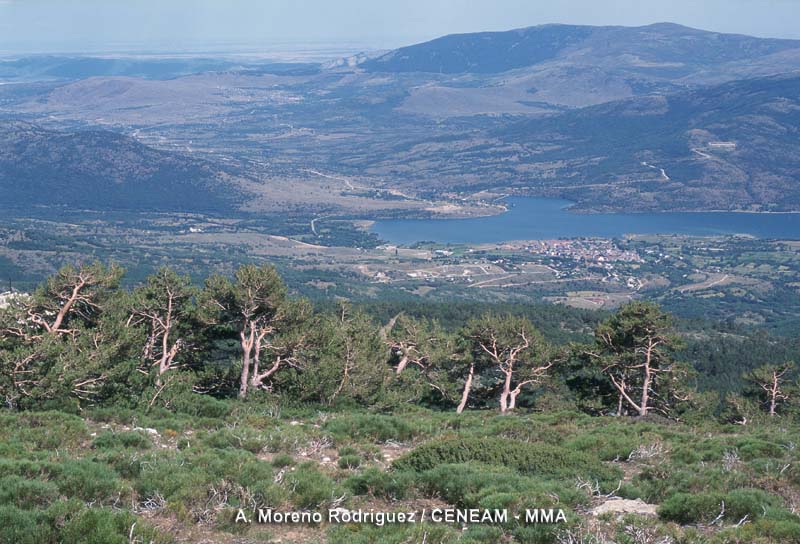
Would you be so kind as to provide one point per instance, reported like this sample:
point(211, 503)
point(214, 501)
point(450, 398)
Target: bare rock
point(625, 506)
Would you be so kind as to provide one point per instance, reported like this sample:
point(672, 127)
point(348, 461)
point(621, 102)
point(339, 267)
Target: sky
point(139, 25)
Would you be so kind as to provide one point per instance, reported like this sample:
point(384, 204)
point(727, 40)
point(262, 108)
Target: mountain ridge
point(501, 51)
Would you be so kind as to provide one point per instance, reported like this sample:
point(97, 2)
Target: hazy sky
point(97, 25)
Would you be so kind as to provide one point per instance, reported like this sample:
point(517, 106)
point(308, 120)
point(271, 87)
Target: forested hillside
point(102, 170)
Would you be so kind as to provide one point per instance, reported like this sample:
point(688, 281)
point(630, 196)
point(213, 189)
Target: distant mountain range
point(665, 49)
point(660, 117)
point(103, 170)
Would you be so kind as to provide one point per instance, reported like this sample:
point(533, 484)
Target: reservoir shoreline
point(531, 218)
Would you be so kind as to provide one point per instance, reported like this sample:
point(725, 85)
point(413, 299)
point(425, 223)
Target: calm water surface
point(546, 218)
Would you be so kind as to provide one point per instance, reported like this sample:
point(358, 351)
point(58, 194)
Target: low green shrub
point(24, 493)
point(373, 427)
point(19, 526)
point(537, 534)
point(386, 485)
point(282, 460)
point(544, 460)
point(267, 494)
point(777, 525)
point(102, 526)
point(44, 430)
point(86, 480)
point(308, 487)
point(347, 450)
point(177, 480)
point(753, 448)
point(201, 406)
point(111, 440)
point(290, 438)
point(349, 461)
point(474, 485)
point(126, 463)
point(23, 467)
point(519, 428)
point(242, 438)
point(663, 480)
point(186, 478)
point(608, 443)
point(689, 508)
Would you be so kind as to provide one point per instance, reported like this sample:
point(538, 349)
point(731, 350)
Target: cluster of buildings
point(587, 250)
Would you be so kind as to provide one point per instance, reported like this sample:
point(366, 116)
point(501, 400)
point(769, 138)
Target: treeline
point(79, 339)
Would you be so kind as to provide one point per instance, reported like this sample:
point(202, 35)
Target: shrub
point(86, 480)
point(777, 525)
point(110, 440)
point(688, 508)
point(369, 426)
point(536, 534)
point(474, 485)
point(523, 429)
point(186, 478)
point(101, 526)
point(347, 450)
point(282, 460)
point(308, 487)
point(201, 406)
point(290, 438)
point(61, 511)
point(763, 531)
point(752, 448)
point(242, 438)
point(385, 485)
point(24, 493)
point(124, 462)
point(21, 467)
point(608, 444)
point(748, 502)
point(177, 480)
point(267, 494)
point(664, 480)
point(22, 527)
point(45, 430)
point(543, 460)
point(371, 452)
point(708, 450)
point(349, 461)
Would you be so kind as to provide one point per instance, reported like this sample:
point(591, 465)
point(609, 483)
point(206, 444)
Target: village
point(512, 264)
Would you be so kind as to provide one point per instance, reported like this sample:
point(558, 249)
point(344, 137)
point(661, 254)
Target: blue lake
point(546, 218)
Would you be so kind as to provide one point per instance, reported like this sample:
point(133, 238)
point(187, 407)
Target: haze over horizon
point(94, 26)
